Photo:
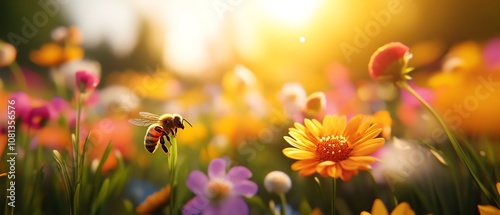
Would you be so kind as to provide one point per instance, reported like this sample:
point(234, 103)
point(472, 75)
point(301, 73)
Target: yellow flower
point(488, 209)
point(53, 54)
point(379, 208)
point(333, 148)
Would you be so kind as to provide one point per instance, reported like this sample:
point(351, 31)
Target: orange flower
point(7, 54)
point(379, 208)
point(333, 148)
point(52, 54)
point(155, 201)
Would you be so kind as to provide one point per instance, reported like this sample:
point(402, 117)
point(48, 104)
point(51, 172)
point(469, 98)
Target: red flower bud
point(389, 62)
point(86, 81)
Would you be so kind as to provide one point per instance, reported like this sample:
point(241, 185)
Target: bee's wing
point(142, 122)
point(148, 115)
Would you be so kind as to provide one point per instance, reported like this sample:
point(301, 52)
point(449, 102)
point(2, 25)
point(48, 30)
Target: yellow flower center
point(333, 148)
point(217, 190)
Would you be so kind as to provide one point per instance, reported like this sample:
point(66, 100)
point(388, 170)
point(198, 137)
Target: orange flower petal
point(302, 144)
point(341, 126)
point(298, 154)
point(353, 125)
point(403, 209)
point(322, 170)
point(361, 159)
point(306, 139)
point(307, 171)
point(333, 172)
point(347, 174)
point(379, 208)
point(326, 163)
point(488, 210)
point(370, 134)
point(301, 164)
point(312, 127)
point(368, 147)
point(329, 124)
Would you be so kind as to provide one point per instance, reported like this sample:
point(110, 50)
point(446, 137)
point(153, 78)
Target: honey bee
point(159, 128)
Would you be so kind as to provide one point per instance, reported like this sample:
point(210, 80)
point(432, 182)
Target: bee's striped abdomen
point(152, 137)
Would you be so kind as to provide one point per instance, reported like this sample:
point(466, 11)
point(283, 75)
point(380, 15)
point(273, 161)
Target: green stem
point(172, 165)
point(456, 146)
point(19, 75)
point(76, 156)
point(334, 194)
point(283, 204)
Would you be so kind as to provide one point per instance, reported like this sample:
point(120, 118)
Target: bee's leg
point(165, 149)
point(173, 132)
point(162, 140)
point(168, 138)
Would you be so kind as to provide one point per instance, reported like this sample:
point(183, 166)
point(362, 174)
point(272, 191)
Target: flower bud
point(315, 103)
point(7, 54)
point(86, 81)
point(389, 62)
point(277, 182)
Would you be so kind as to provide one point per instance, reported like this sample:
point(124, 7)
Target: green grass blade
point(101, 197)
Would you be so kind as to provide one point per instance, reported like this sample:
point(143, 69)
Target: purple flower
point(220, 192)
point(86, 81)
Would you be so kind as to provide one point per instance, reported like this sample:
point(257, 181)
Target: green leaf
point(129, 206)
point(76, 199)
point(304, 207)
point(101, 197)
point(65, 177)
point(104, 157)
point(257, 202)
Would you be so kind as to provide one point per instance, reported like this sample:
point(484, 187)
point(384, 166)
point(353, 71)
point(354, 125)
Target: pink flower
point(86, 81)
point(388, 61)
point(39, 116)
point(220, 192)
point(491, 53)
point(23, 103)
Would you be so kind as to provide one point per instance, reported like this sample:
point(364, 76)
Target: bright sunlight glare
point(291, 12)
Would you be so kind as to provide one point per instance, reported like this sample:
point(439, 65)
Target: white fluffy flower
point(277, 182)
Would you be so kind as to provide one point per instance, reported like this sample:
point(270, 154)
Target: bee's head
point(178, 122)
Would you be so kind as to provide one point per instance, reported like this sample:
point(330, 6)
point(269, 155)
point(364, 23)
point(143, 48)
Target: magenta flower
point(86, 81)
point(388, 61)
point(220, 192)
point(39, 116)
